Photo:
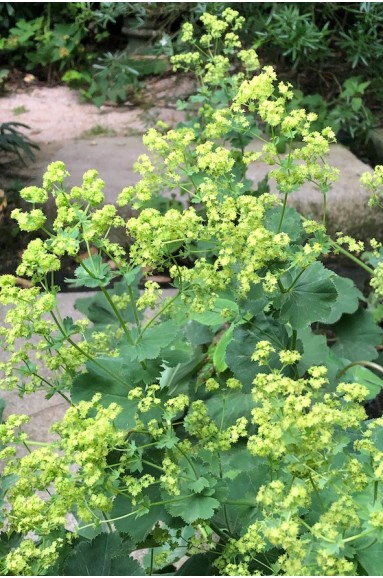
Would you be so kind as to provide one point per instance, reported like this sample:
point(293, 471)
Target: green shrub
point(226, 426)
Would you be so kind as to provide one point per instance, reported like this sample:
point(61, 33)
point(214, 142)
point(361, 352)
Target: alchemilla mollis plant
point(229, 425)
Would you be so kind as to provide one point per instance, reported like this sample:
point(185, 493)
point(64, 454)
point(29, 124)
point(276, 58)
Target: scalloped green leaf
point(140, 527)
point(220, 350)
point(198, 565)
point(194, 507)
point(99, 311)
point(357, 336)
point(113, 389)
point(150, 343)
point(315, 349)
point(292, 222)
point(224, 410)
point(245, 338)
point(310, 299)
point(214, 318)
point(97, 558)
point(371, 559)
point(347, 300)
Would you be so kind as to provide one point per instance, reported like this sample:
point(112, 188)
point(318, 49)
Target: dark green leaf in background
point(97, 309)
point(245, 338)
point(357, 336)
point(347, 300)
point(114, 390)
point(97, 558)
point(149, 345)
point(311, 297)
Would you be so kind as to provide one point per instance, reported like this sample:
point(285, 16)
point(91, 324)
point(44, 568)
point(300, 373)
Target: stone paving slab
point(113, 157)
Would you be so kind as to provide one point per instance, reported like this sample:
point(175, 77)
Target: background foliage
point(332, 52)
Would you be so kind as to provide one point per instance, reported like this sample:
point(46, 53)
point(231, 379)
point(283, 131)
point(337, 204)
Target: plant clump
point(230, 426)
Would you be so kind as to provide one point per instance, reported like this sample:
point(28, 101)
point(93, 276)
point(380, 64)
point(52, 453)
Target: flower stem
point(363, 363)
point(118, 315)
point(282, 214)
point(85, 353)
point(352, 257)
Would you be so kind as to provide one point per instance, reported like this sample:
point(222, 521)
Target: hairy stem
point(352, 258)
point(282, 213)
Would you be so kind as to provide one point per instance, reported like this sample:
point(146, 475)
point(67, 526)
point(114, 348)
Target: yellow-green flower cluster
point(157, 235)
point(55, 175)
point(28, 559)
point(213, 68)
point(199, 424)
point(32, 221)
point(216, 161)
point(216, 69)
point(150, 296)
point(293, 415)
point(37, 262)
point(9, 435)
point(289, 357)
point(262, 352)
point(75, 472)
point(353, 245)
point(374, 184)
point(377, 279)
point(34, 195)
point(170, 478)
point(92, 189)
point(24, 318)
point(245, 246)
point(134, 486)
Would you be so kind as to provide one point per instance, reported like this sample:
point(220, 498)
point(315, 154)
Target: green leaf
point(96, 274)
point(245, 338)
point(364, 376)
point(224, 410)
point(244, 475)
point(292, 222)
point(198, 565)
point(177, 353)
point(214, 318)
point(140, 527)
point(220, 350)
point(149, 345)
point(371, 559)
point(99, 311)
point(113, 389)
point(198, 485)
point(357, 336)
point(194, 507)
point(310, 299)
point(95, 558)
point(167, 440)
point(315, 349)
point(176, 377)
point(126, 566)
point(198, 334)
point(2, 407)
point(347, 300)
point(255, 300)
point(238, 356)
